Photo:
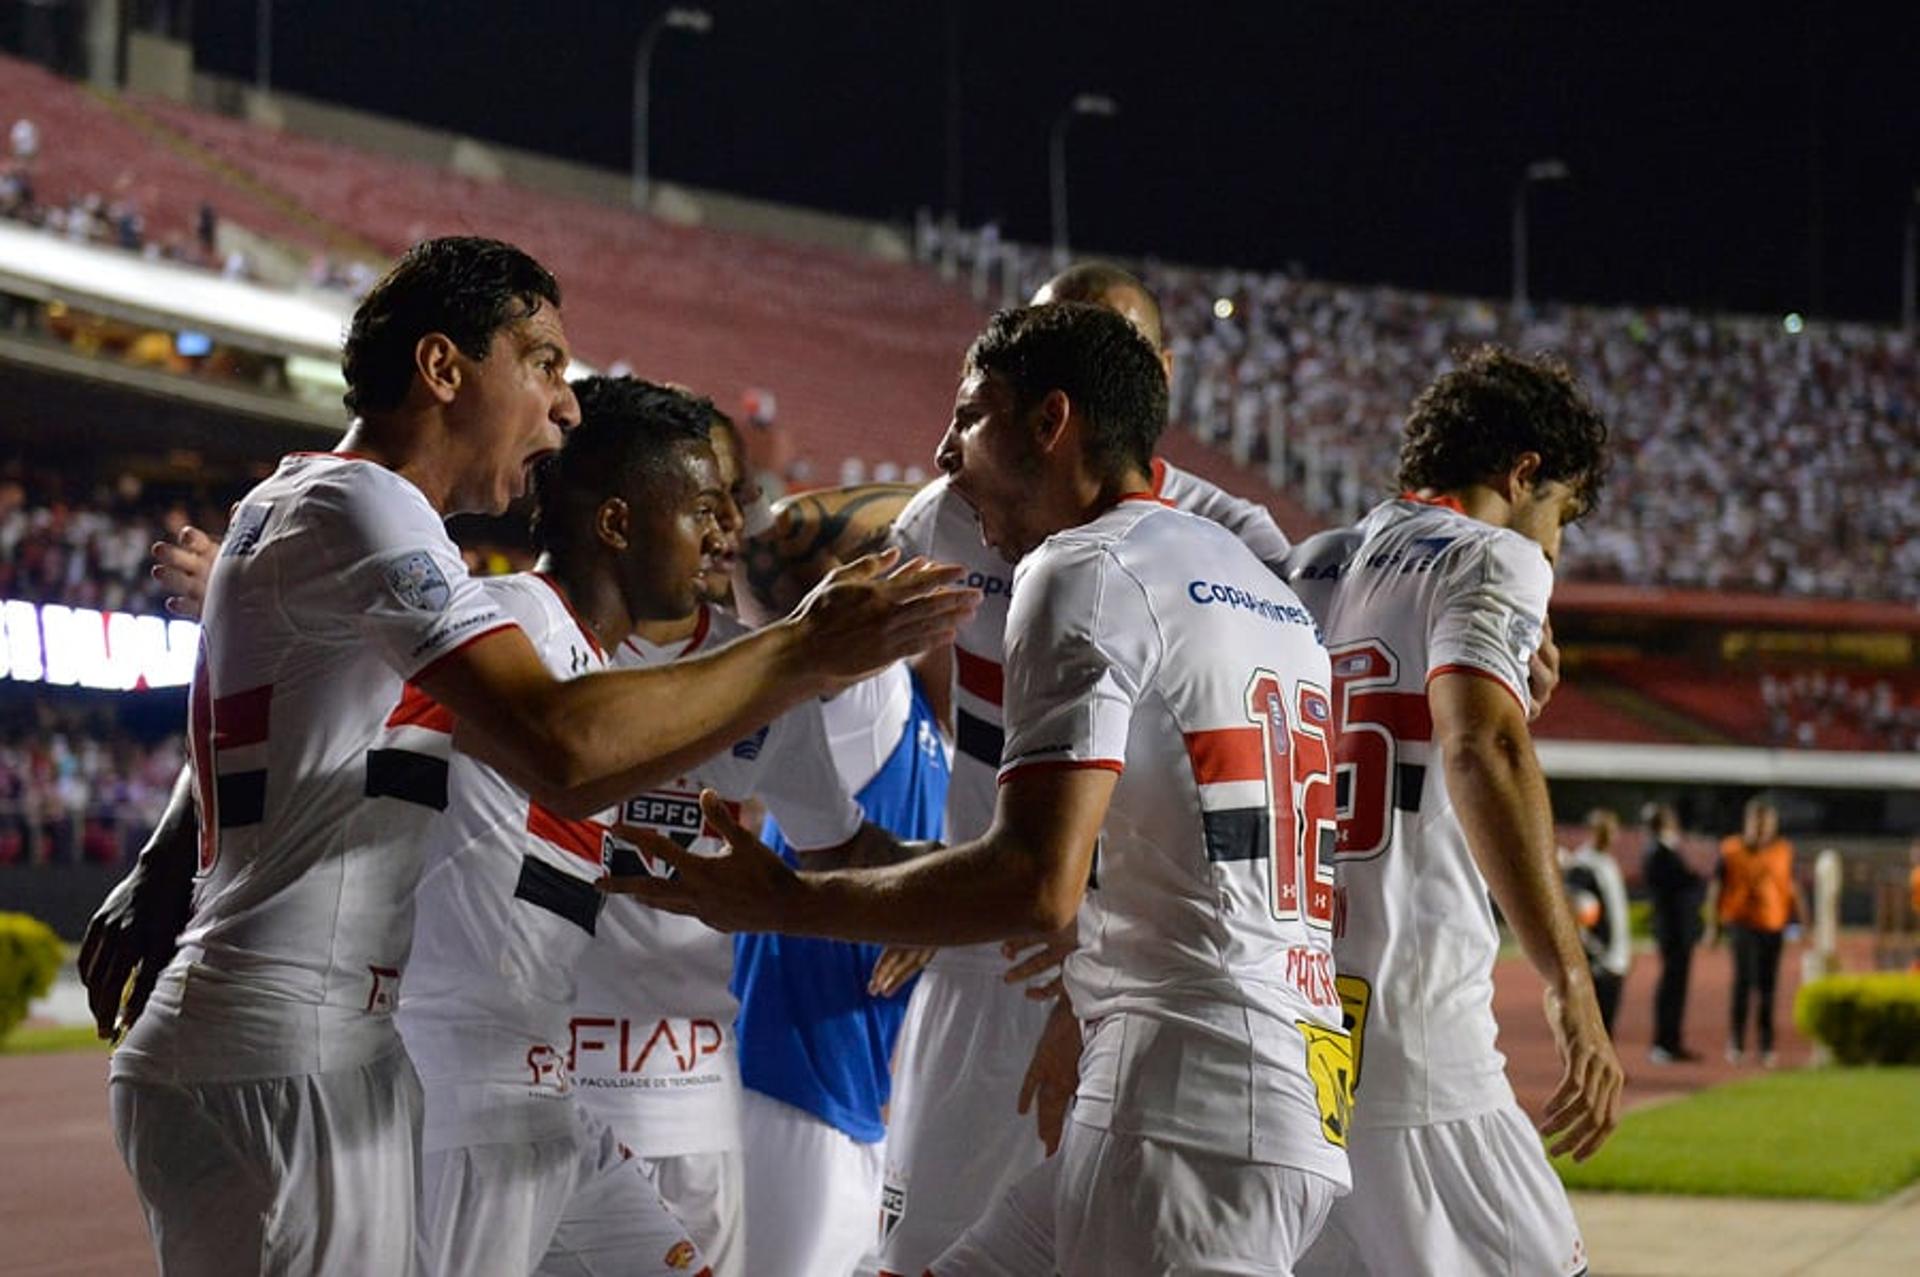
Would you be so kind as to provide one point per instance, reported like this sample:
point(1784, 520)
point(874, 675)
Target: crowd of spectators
point(1750, 455)
point(76, 786)
point(1813, 709)
point(96, 217)
point(87, 545)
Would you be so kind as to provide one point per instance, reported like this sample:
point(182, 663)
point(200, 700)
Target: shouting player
point(262, 1102)
point(955, 1140)
point(1432, 607)
point(1166, 702)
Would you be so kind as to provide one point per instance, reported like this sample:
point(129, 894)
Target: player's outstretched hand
point(1053, 1074)
point(133, 935)
point(896, 966)
point(1036, 961)
point(745, 888)
point(1584, 1110)
point(182, 566)
point(1543, 671)
point(863, 617)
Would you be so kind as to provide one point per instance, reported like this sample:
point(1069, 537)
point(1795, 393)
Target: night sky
point(1748, 157)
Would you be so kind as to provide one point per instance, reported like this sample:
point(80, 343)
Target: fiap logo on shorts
point(415, 579)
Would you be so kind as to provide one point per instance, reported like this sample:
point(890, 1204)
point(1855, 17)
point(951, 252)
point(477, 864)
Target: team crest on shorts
point(415, 579)
point(893, 1208)
point(1330, 1065)
point(681, 1256)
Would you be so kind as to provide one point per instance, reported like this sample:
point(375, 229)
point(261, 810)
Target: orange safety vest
point(1756, 884)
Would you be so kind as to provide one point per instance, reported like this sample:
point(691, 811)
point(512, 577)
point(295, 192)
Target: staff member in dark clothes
point(1677, 894)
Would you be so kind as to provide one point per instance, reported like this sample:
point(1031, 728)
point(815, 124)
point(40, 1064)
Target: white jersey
point(1153, 643)
point(336, 583)
point(1412, 591)
point(941, 525)
point(505, 908)
point(652, 1049)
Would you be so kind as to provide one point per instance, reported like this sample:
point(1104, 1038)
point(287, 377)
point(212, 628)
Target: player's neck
point(1476, 501)
point(668, 633)
point(594, 599)
point(1093, 495)
point(403, 449)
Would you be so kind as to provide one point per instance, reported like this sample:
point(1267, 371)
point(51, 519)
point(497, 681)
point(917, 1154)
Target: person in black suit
point(1677, 894)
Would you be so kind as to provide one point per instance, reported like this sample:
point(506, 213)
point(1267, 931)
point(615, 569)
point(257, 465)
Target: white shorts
point(1127, 1206)
point(956, 1142)
point(813, 1193)
point(317, 1173)
point(519, 1208)
point(1472, 1198)
point(707, 1192)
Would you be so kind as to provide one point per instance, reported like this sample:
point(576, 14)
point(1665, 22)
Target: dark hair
point(627, 432)
point(1474, 421)
point(464, 287)
point(1108, 370)
point(1094, 281)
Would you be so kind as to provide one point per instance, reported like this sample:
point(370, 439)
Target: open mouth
point(535, 466)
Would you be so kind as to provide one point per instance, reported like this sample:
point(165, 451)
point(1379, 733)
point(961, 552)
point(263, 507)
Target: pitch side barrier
point(1727, 765)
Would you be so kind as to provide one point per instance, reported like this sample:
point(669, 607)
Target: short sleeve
point(396, 573)
point(1082, 645)
point(913, 527)
point(1491, 607)
point(800, 784)
point(1251, 522)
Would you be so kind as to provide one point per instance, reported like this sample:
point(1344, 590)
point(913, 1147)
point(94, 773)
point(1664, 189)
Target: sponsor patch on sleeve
point(416, 580)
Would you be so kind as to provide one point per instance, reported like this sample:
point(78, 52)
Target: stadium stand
point(1749, 457)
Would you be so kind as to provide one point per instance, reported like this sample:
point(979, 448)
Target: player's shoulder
point(329, 485)
point(1453, 542)
point(531, 600)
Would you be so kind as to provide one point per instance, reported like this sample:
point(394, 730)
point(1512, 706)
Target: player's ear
point(436, 360)
point(1521, 476)
point(613, 523)
point(1050, 417)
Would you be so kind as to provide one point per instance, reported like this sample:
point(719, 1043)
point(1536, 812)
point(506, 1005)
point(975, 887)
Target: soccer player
point(1432, 606)
point(653, 1049)
point(262, 1102)
point(515, 1171)
point(956, 1141)
point(1166, 700)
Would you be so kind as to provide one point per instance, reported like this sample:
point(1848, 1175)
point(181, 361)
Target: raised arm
point(1501, 797)
point(582, 744)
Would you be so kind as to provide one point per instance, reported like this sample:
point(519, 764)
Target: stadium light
point(1548, 170)
point(1082, 104)
point(677, 18)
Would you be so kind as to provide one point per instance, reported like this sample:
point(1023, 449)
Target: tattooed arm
point(814, 532)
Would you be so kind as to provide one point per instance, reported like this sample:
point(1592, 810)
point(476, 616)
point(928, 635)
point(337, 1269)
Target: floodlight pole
point(1082, 104)
point(263, 47)
point(1537, 171)
point(678, 18)
point(1910, 265)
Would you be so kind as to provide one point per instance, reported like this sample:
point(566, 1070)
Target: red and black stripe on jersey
point(409, 760)
point(974, 736)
